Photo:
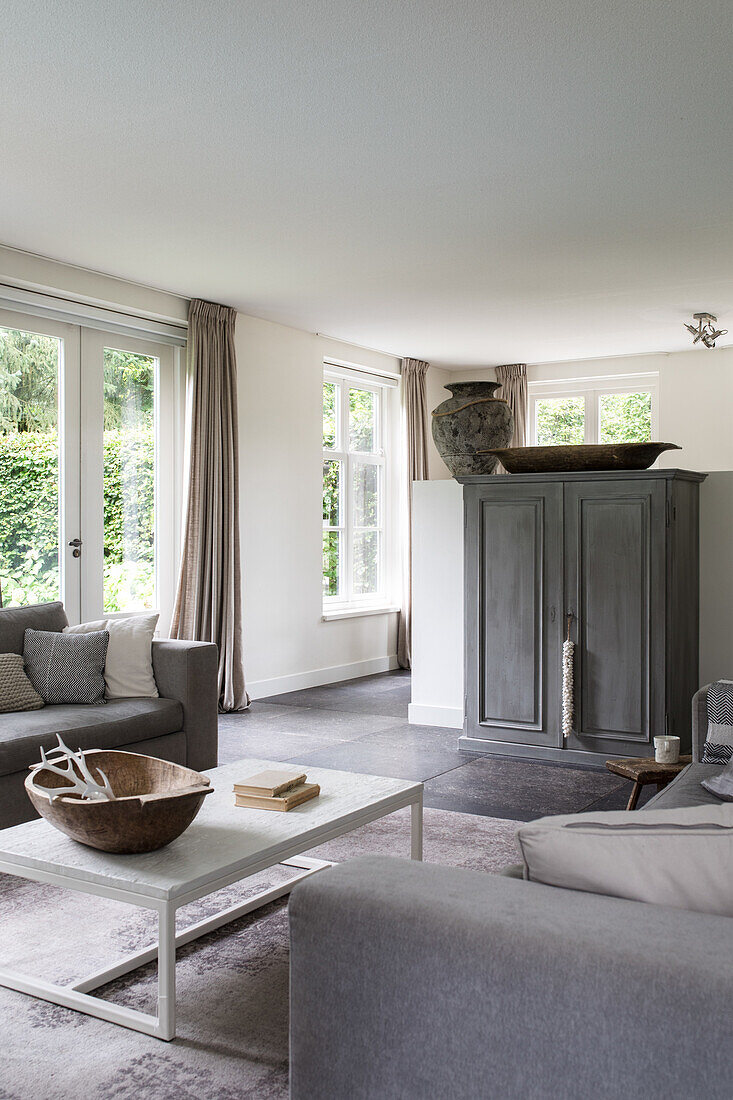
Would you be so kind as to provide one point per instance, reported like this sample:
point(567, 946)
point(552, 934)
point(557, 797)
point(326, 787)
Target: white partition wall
point(437, 604)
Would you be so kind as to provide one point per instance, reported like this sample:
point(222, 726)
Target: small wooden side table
point(646, 770)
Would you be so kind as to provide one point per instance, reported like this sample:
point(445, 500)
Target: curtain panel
point(513, 379)
point(415, 436)
point(208, 604)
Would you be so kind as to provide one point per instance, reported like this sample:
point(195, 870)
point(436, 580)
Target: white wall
point(437, 604)
point(287, 646)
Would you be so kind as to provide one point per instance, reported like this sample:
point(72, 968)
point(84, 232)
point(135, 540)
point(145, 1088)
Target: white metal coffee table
point(225, 844)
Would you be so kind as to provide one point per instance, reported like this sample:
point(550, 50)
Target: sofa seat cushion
point(111, 725)
point(685, 790)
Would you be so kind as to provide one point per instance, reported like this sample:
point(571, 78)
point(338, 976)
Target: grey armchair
point(417, 982)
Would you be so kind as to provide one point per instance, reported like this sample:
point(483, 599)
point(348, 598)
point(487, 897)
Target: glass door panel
point(129, 481)
point(39, 458)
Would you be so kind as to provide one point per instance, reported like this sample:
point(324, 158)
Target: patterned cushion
point(721, 785)
point(16, 690)
point(719, 742)
point(66, 668)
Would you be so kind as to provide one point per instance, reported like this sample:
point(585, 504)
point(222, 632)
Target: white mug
point(666, 749)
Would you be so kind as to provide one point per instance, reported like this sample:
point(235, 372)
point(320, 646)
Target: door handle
point(76, 552)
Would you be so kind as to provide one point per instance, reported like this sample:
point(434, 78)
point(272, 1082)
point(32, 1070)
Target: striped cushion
point(718, 747)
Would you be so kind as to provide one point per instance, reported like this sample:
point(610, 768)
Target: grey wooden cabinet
point(616, 555)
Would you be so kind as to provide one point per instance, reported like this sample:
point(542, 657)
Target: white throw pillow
point(667, 857)
point(129, 668)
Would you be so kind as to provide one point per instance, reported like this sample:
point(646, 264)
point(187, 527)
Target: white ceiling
point(473, 182)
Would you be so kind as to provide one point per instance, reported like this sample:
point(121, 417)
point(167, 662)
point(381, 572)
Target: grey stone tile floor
point(361, 726)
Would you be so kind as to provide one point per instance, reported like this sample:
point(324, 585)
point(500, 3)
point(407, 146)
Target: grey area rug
point(232, 1006)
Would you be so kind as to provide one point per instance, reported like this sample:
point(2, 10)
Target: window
point(617, 409)
point(355, 489)
point(88, 455)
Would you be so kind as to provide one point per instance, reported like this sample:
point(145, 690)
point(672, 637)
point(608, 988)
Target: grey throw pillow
point(66, 668)
point(721, 785)
point(16, 691)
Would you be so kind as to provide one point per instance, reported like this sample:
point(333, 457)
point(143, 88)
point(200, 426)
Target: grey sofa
point(417, 982)
point(180, 726)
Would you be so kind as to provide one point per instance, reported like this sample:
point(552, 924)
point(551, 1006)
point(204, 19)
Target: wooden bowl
point(580, 457)
point(155, 801)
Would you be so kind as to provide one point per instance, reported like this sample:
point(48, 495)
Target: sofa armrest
point(699, 722)
point(411, 980)
point(187, 671)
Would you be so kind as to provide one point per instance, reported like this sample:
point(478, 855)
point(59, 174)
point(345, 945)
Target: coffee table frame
point(162, 1025)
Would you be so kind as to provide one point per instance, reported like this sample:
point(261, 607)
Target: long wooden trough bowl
point(579, 457)
point(155, 801)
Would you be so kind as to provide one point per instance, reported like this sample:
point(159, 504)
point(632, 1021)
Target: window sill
point(358, 612)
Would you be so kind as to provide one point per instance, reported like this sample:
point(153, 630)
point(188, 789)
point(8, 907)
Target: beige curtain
point(513, 379)
point(415, 434)
point(209, 601)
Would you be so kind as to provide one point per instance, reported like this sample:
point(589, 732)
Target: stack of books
point(275, 790)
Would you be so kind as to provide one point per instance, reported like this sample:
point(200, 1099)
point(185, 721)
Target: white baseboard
point(278, 685)
point(420, 715)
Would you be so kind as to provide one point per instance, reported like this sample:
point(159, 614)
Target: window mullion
point(591, 416)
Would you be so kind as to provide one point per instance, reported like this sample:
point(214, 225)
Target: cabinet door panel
point(512, 613)
point(615, 577)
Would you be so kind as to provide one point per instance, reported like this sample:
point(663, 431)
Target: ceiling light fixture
point(705, 329)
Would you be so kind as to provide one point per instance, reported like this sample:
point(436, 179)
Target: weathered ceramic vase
point(469, 422)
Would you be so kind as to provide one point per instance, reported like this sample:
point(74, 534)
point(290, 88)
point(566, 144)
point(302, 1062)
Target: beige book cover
point(270, 783)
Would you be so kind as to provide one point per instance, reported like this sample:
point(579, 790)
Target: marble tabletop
point(224, 839)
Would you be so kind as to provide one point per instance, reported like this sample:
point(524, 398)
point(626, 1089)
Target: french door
point(89, 461)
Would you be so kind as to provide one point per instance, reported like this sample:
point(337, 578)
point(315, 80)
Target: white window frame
point(591, 389)
point(168, 495)
point(81, 459)
point(347, 602)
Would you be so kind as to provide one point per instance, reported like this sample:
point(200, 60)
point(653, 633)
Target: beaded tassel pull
point(568, 696)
